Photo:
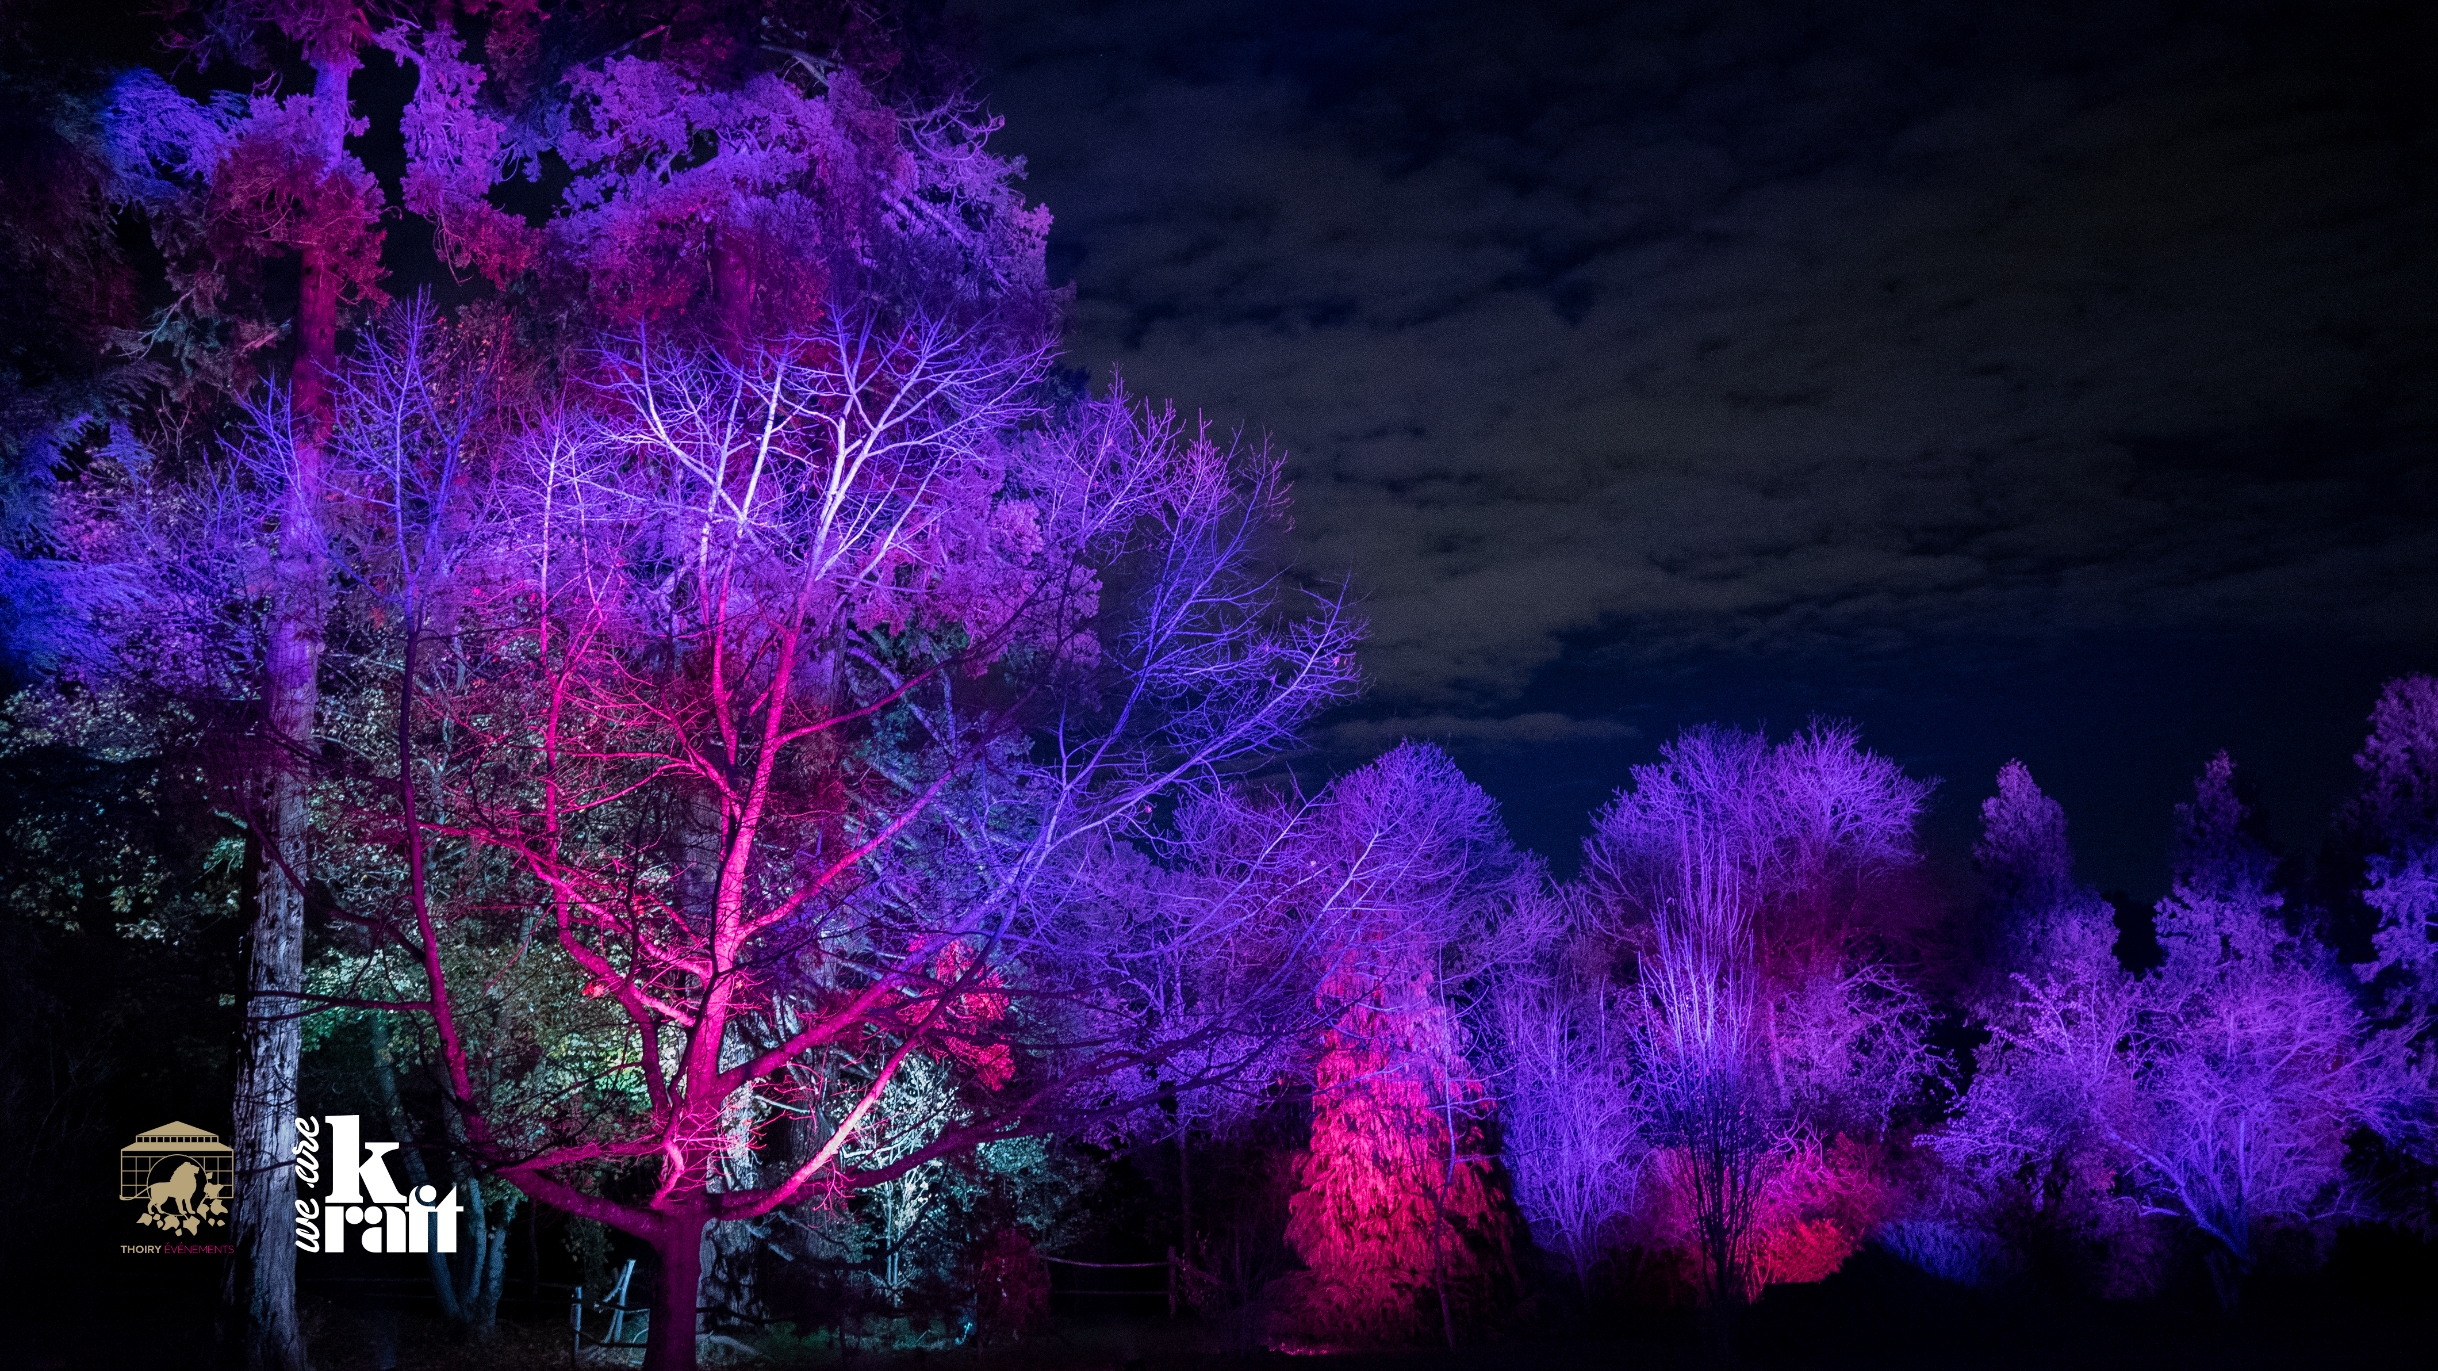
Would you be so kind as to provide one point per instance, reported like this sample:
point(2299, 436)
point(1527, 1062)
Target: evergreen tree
point(1401, 1213)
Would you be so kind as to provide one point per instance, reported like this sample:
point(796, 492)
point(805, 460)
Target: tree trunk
point(494, 1283)
point(482, 1258)
point(1185, 1189)
point(410, 1155)
point(258, 1302)
point(258, 1306)
point(669, 1345)
point(2227, 1272)
point(261, 1294)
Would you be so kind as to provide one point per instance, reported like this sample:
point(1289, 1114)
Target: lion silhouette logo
point(182, 1174)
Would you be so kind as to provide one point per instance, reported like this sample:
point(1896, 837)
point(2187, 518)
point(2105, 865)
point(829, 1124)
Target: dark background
point(2039, 381)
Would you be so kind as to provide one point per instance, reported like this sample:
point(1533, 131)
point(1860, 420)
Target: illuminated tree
point(780, 171)
point(2253, 1061)
point(2397, 813)
point(1574, 1116)
point(745, 207)
point(2037, 1131)
point(427, 414)
point(227, 186)
point(792, 697)
point(2219, 1091)
point(65, 288)
point(1400, 1212)
point(1752, 884)
point(2028, 893)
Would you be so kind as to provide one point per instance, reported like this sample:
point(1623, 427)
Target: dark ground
point(2370, 1305)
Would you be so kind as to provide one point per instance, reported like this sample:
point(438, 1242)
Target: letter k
point(372, 1171)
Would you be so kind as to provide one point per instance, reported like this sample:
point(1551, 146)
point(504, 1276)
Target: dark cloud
point(1620, 336)
point(1533, 729)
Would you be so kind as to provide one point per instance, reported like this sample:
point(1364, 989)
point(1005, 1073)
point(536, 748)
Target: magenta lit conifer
point(1401, 1213)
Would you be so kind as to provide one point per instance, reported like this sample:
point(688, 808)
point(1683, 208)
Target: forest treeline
point(558, 600)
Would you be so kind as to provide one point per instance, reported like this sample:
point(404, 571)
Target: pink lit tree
point(795, 702)
point(1400, 1213)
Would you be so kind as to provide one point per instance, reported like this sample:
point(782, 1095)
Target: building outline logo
point(184, 1175)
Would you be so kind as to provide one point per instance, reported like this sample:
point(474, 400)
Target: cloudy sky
point(2011, 380)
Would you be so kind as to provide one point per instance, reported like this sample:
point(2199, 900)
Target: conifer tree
point(1402, 1214)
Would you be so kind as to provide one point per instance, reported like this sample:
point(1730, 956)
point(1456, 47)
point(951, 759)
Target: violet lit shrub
point(1961, 1253)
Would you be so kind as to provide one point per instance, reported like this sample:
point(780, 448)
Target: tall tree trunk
point(669, 1345)
point(259, 1302)
point(469, 1287)
point(493, 1276)
point(262, 1280)
point(482, 1257)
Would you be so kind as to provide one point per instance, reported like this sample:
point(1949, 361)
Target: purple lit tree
point(409, 480)
point(1755, 888)
point(747, 207)
point(2254, 1062)
point(2398, 811)
point(2053, 1090)
point(228, 185)
point(1573, 1113)
point(2029, 898)
point(681, 157)
point(2219, 1091)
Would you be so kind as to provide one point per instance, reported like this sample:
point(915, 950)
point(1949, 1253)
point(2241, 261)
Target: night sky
point(2010, 380)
